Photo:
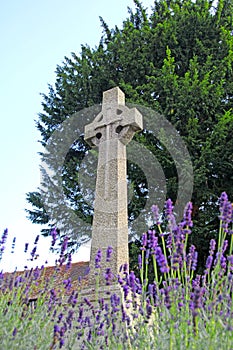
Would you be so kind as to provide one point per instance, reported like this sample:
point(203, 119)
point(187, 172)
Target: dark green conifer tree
point(177, 61)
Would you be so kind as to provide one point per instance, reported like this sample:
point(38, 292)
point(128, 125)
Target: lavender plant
point(176, 309)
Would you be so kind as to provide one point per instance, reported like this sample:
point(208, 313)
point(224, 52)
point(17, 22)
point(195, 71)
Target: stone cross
point(110, 131)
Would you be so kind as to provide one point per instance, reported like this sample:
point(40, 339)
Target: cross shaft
point(110, 131)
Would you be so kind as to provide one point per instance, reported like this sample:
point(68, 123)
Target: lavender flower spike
point(36, 240)
point(155, 211)
point(226, 214)
point(14, 332)
point(223, 199)
point(169, 208)
point(161, 260)
point(54, 236)
point(169, 214)
point(26, 247)
point(139, 261)
point(144, 239)
point(187, 214)
point(109, 254)
point(98, 259)
point(4, 236)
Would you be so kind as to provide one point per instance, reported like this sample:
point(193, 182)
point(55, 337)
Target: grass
point(169, 306)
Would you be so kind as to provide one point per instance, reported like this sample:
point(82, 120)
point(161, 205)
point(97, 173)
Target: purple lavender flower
point(125, 268)
point(64, 245)
point(155, 211)
point(216, 258)
point(70, 318)
point(223, 262)
point(109, 254)
point(120, 280)
point(169, 241)
point(100, 329)
point(196, 300)
point(115, 302)
point(196, 281)
point(139, 261)
point(54, 236)
point(131, 284)
point(151, 289)
point(63, 250)
point(222, 200)
point(14, 332)
point(144, 241)
point(53, 294)
point(101, 303)
point(61, 343)
point(208, 264)
point(188, 214)
point(87, 301)
point(60, 317)
point(149, 308)
point(164, 268)
point(167, 299)
point(4, 236)
point(180, 305)
point(147, 256)
point(67, 284)
point(125, 317)
point(226, 211)
point(126, 291)
point(175, 259)
point(194, 261)
point(36, 273)
point(73, 298)
point(225, 245)
point(190, 256)
point(2, 242)
point(89, 337)
point(36, 240)
point(56, 329)
point(169, 208)
point(109, 276)
point(230, 262)
point(33, 252)
point(209, 260)
point(87, 271)
point(106, 341)
point(153, 240)
point(180, 249)
point(212, 246)
point(13, 245)
point(80, 316)
point(98, 258)
point(169, 214)
point(69, 261)
point(26, 247)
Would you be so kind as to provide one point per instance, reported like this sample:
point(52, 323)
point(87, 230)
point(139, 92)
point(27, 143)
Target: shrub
point(176, 308)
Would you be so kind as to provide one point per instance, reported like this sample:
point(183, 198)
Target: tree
point(177, 61)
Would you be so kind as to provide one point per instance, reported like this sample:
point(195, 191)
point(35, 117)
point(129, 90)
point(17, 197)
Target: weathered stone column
point(110, 131)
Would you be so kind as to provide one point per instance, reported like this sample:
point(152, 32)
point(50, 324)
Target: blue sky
point(36, 36)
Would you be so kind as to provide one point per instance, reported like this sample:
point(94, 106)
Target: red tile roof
point(45, 279)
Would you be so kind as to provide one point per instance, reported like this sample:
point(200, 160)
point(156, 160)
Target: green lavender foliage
point(178, 309)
